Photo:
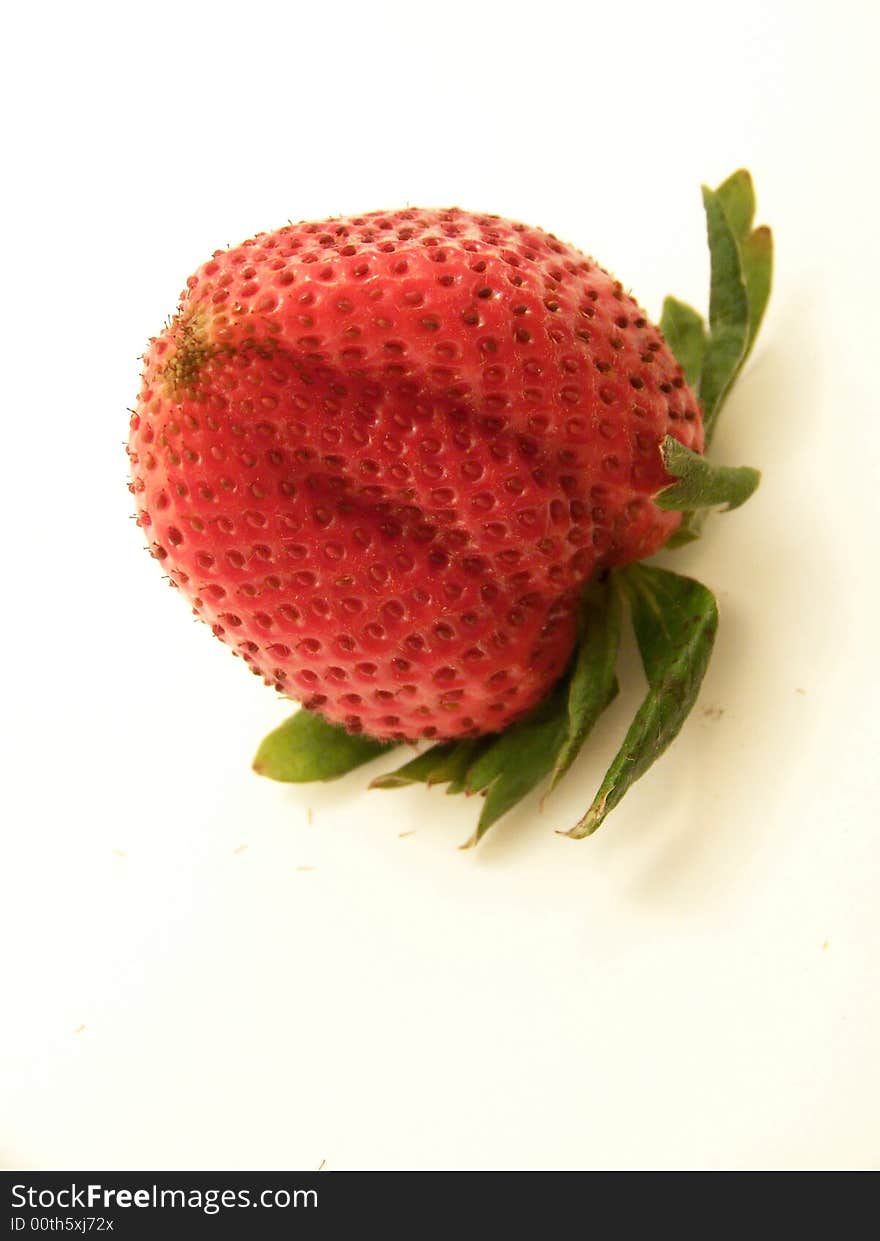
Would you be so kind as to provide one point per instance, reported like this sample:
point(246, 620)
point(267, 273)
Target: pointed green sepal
point(446, 763)
point(592, 684)
point(737, 197)
point(690, 529)
point(741, 276)
point(516, 762)
point(305, 748)
point(701, 484)
point(728, 312)
point(675, 621)
point(685, 334)
point(757, 263)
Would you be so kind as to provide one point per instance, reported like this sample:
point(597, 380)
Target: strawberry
point(403, 464)
point(381, 455)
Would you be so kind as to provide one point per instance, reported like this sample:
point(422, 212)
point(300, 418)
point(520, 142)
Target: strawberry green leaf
point(490, 764)
point(508, 765)
point(685, 335)
point(306, 748)
point(675, 621)
point(741, 276)
point(419, 770)
point(700, 483)
point(467, 753)
point(446, 763)
point(737, 198)
point(690, 529)
point(742, 273)
point(728, 312)
point(757, 262)
point(517, 761)
point(592, 685)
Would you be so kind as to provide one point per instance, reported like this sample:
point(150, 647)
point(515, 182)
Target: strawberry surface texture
point(382, 455)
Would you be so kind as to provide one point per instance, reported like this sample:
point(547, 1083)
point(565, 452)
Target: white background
point(205, 970)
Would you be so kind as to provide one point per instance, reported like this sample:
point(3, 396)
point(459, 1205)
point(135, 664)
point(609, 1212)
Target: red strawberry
point(382, 454)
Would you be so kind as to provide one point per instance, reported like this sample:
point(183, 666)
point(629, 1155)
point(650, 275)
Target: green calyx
point(741, 272)
point(674, 618)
